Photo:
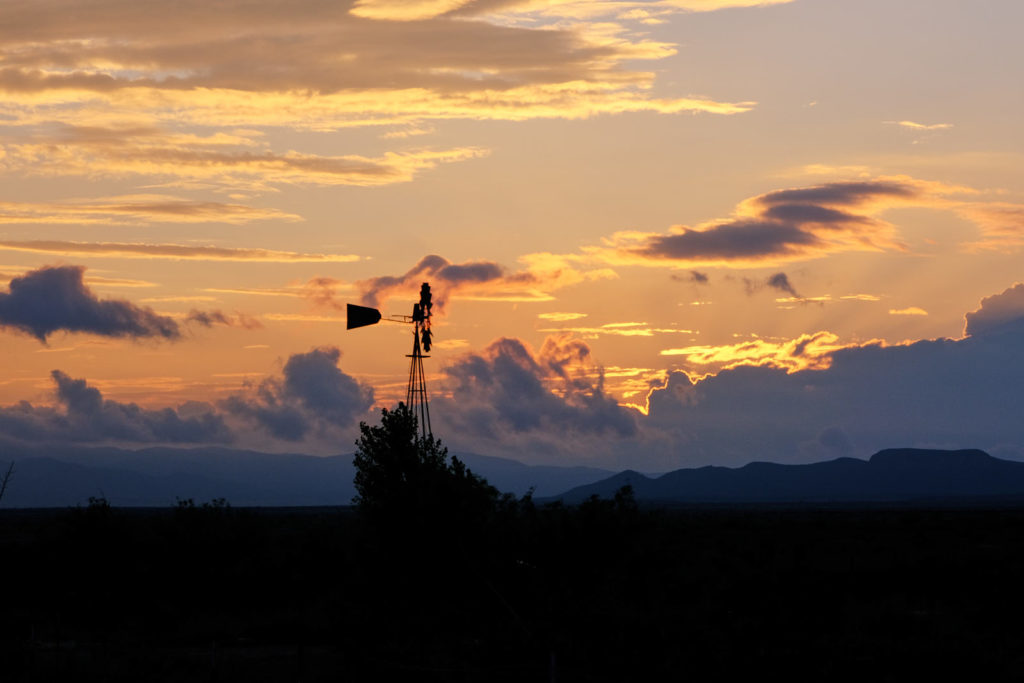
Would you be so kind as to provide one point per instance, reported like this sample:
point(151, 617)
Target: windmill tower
point(422, 340)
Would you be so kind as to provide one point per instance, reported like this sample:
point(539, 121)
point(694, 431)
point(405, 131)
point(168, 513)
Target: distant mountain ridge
point(892, 475)
point(61, 476)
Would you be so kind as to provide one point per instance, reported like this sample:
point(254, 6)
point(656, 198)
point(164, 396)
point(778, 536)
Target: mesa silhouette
point(891, 475)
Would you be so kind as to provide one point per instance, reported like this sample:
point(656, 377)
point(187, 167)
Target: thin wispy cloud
point(915, 126)
point(613, 330)
point(218, 161)
point(170, 251)
point(561, 317)
point(136, 209)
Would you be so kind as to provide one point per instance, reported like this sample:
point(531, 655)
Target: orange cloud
point(321, 66)
point(170, 251)
point(140, 209)
point(218, 161)
point(473, 280)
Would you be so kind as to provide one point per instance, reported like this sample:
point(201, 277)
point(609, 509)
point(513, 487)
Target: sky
point(660, 233)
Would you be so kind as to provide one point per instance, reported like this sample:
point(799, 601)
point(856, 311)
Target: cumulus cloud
point(796, 400)
point(312, 397)
point(56, 299)
point(953, 393)
point(83, 415)
point(857, 398)
point(508, 396)
point(997, 312)
point(312, 400)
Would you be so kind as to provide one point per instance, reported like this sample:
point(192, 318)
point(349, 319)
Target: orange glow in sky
point(606, 197)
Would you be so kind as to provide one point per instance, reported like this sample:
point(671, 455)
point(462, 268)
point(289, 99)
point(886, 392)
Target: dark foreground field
point(600, 593)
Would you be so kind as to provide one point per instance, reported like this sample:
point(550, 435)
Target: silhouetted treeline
point(524, 592)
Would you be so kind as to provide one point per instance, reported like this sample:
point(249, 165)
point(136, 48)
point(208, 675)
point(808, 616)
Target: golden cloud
point(313, 65)
point(806, 352)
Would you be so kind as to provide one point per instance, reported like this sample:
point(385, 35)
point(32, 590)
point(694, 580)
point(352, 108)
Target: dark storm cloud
point(312, 395)
point(83, 415)
point(55, 299)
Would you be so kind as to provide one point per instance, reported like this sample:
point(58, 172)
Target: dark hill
point(68, 475)
point(893, 475)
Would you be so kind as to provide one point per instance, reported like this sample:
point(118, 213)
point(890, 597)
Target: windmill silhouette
point(416, 391)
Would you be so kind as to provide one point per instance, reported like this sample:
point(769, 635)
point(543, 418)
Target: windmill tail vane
point(423, 340)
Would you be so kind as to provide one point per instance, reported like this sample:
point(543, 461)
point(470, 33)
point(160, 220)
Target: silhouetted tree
point(403, 476)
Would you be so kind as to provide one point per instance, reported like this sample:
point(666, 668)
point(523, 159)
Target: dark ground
point(600, 593)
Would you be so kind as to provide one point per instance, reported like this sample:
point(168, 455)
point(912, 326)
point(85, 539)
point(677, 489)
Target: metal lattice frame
point(416, 392)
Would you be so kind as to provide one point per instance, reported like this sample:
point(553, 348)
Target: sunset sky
point(660, 233)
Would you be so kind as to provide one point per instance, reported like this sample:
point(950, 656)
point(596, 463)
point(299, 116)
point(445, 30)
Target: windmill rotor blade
point(360, 316)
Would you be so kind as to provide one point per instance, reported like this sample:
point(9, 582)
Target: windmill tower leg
point(416, 391)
